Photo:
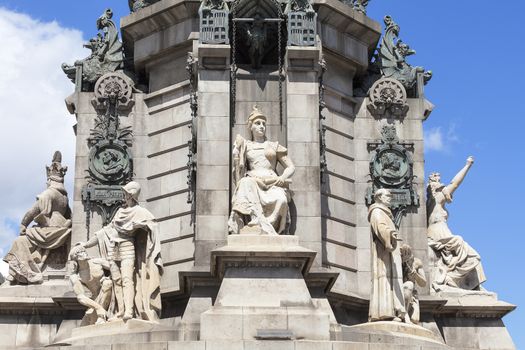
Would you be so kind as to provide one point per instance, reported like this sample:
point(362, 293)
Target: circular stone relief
point(110, 163)
point(391, 167)
point(388, 91)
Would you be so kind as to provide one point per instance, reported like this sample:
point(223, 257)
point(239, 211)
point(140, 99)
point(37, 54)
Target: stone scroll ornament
point(107, 55)
point(110, 162)
point(391, 167)
point(302, 23)
point(214, 22)
point(387, 95)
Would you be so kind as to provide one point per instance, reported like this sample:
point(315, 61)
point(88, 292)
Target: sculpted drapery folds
point(131, 245)
point(386, 299)
point(52, 216)
point(459, 265)
point(261, 196)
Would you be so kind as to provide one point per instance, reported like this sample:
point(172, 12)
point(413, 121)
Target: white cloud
point(438, 140)
point(35, 121)
point(434, 139)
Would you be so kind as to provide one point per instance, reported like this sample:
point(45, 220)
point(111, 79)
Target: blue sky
point(474, 49)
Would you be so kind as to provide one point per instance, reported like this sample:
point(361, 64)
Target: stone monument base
point(263, 294)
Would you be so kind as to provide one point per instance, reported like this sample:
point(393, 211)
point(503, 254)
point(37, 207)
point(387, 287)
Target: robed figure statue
point(261, 196)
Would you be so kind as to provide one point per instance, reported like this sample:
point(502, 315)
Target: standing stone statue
point(106, 53)
point(131, 245)
point(413, 274)
point(261, 196)
point(386, 299)
point(459, 264)
point(52, 216)
point(91, 275)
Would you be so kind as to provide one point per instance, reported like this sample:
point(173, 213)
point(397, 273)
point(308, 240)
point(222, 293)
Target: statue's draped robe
point(458, 261)
point(148, 263)
point(252, 197)
point(51, 212)
point(386, 299)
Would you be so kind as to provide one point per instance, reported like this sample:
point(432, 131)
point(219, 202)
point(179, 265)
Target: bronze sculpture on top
point(52, 216)
point(261, 196)
point(459, 265)
point(106, 55)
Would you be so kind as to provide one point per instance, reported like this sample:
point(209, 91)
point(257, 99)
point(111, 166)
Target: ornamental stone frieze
point(388, 95)
point(110, 162)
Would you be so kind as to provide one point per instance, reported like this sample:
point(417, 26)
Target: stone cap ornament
point(55, 171)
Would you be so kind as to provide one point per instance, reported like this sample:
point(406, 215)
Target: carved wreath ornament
point(388, 94)
point(115, 87)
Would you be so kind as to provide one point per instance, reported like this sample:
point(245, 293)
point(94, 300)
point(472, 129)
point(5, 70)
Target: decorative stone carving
point(52, 217)
point(358, 5)
point(302, 23)
point(88, 274)
point(192, 144)
point(392, 58)
point(110, 162)
point(387, 95)
point(261, 196)
point(135, 5)
point(106, 55)
point(214, 22)
point(322, 127)
point(413, 275)
point(391, 166)
point(130, 242)
point(459, 265)
point(390, 61)
point(386, 299)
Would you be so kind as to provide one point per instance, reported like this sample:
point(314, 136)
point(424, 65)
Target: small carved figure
point(91, 274)
point(386, 299)
point(360, 5)
point(459, 264)
point(413, 274)
point(52, 216)
point(135, 5)
point(131, 245)
point(106, 53)
point(257, 39)
point(299, 6)
point(261, 196)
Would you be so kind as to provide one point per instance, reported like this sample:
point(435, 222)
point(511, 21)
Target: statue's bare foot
point(127, 316)
point(100, 320)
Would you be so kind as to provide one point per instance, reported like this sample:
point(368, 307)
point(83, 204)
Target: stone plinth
point(398, 330)
point(263, 291)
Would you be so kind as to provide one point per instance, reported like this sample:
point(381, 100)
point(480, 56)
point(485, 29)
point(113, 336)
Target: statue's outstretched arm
point(460, 176)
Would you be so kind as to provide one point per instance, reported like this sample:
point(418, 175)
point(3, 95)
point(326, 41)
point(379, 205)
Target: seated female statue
point(261, 196)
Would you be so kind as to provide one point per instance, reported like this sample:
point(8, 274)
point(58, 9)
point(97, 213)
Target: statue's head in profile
point(257, 124)
point(383, 196)
point(131, 193)
point(434, 183)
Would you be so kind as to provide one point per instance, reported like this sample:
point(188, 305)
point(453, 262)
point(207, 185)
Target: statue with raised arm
point(52, 217)
point(91, 274)
point(106, 53)
point(130, 242)
point(413, 275)
point(386, 298)
point(459, 265)
point(261, 196)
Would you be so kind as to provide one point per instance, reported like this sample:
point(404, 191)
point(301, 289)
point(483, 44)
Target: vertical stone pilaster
point(302, 111)
point(213, 150)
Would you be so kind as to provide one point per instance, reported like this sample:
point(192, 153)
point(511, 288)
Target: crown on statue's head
point(56, 171)
point(256, 114)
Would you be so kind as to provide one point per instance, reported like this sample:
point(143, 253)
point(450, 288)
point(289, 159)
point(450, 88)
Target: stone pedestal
point(263, 294)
